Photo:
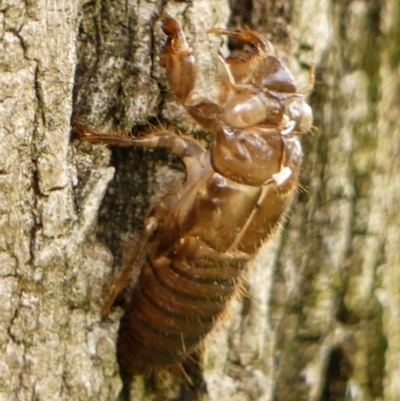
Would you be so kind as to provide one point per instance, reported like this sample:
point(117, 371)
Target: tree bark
point(320, 317)
point(53, 344)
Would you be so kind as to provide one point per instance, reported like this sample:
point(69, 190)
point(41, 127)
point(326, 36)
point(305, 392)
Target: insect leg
point(151, 223)
point(179, 61)
point(245, 37)
point(264, 191)
point(187, 148)
point(150, 226)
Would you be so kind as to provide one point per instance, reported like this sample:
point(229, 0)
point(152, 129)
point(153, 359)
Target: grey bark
point(53, 345)
point(320, 317)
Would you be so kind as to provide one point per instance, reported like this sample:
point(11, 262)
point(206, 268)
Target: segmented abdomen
point(173, 306)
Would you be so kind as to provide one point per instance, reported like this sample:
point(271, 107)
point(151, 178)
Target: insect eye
point(300, 112)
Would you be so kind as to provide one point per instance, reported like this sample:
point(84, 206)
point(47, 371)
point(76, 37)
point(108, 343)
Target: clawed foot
point(244, 37)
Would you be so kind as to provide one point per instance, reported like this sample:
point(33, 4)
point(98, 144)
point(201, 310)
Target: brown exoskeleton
point(234, 197)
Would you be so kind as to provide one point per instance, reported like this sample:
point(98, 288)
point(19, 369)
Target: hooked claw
point(176, 37)
point(178, 59)
point(256, 65)
point(245, 37)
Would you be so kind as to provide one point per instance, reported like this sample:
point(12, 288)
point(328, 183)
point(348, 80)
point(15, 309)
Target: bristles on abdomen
point(173, 306)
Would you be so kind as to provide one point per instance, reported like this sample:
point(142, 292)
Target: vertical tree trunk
point(319, 320)
point(53, 345)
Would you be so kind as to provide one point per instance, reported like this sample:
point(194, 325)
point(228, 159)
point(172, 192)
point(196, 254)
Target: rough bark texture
point(53, 345)
point(320, 320)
